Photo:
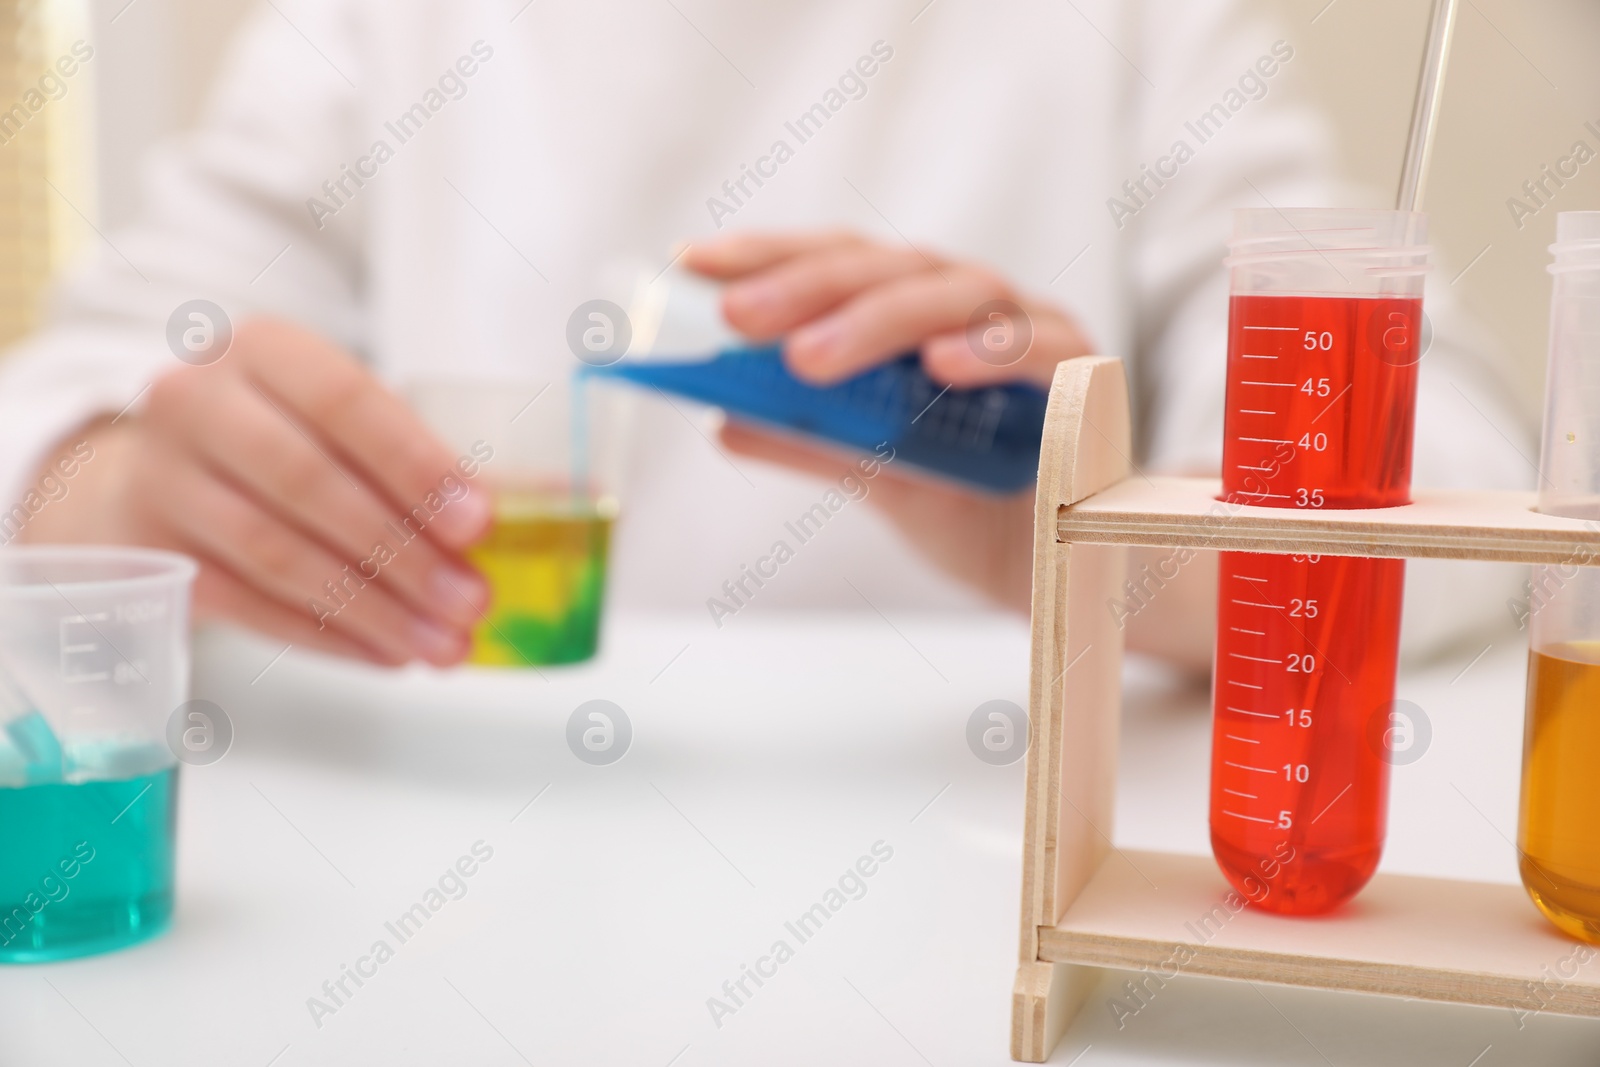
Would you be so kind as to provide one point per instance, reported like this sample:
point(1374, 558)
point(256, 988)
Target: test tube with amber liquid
point(1558, 840)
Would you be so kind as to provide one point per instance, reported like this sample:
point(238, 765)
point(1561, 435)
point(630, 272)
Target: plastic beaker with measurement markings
point(94, 662)
point(550, 452)
point(1558, 837)
point(1324, 335)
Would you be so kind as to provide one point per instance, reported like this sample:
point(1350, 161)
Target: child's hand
point(843, 303)
point(278, 468)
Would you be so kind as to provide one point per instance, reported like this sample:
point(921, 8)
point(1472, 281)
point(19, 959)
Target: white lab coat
point(597, 133)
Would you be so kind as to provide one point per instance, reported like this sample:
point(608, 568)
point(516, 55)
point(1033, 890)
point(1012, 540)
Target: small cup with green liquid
point(1558, 837)
point(94, 667)
point(554, 448)
point(545, 562)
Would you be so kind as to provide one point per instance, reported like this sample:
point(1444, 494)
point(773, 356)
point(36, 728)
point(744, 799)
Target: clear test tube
point(1558, 838)
point(1325, 321)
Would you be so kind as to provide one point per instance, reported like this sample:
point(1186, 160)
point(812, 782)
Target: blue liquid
point(581, 489)
point(86, 866)
point(986, 438)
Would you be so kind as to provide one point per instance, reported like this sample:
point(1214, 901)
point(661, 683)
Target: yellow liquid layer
point(1559, 836)
point(546, 572)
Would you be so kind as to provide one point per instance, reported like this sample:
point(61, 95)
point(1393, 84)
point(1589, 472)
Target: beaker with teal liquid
point(94, 661)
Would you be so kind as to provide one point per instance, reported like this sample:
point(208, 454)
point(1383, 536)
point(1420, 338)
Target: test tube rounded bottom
point(1293, 880)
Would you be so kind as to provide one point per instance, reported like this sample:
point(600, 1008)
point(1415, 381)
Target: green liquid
point(85, 866)
point(547, 571)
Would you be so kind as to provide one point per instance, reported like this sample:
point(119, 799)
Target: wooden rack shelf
point(1429, 938)
point(1438, 524)
point(1086, 904)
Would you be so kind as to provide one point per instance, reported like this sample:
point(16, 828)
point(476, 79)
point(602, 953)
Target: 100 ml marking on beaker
point(1321, 393)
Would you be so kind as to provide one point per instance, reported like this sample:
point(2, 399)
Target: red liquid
point(1321, 398)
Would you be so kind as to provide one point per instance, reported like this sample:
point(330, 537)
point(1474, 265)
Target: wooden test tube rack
point(1087, 905)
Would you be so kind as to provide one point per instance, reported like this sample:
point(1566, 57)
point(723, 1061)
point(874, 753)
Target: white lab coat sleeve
point(1275, 153)
point(225, 219)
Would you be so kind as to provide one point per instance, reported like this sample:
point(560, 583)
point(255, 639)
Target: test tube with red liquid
point(1324, 334)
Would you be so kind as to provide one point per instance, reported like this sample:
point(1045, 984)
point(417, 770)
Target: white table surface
point(767, 757)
